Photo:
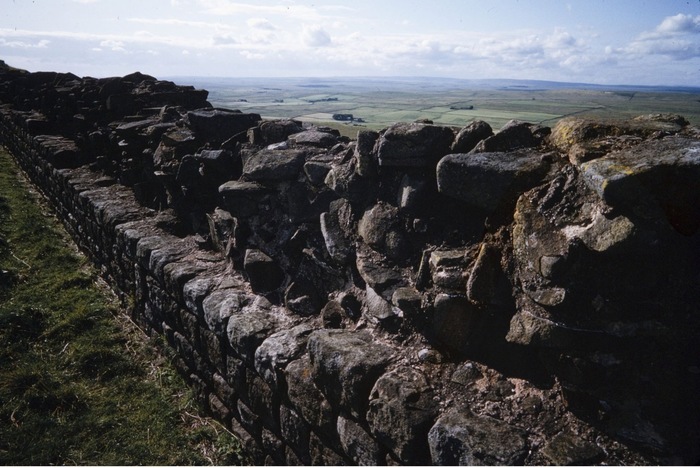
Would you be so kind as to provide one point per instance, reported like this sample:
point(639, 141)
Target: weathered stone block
point(337, 244)
point(274, 165)
point(567, 449)
point(295, 432)
point(322, 455)
point(380, 229)
point(345, 365)
point(313, 138)
point(360, 447)
point(316, 171)
point(306, 398)
point(487, 181)
point(247, 331)
point(415, 144)
point(219, 306)
point(481, 287)
point(374, 272)
point(514, 134)
point(455, 321)
point(661, 176)
point(402, 410)
point(468, 137)
point(217, 125)
point(263, 272)
point(460, 438)
point(280, 348)
point(242, 198)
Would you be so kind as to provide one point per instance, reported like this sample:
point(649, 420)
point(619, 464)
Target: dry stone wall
point(419, 295)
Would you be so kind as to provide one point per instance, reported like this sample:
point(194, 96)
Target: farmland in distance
point(376, 103)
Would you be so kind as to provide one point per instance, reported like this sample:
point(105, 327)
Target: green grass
point(79, 383)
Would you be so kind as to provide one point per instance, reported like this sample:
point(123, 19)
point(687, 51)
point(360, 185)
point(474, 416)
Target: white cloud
point(224, 40)
point(676, 37)
point(680, 23)
point(315, 36)
point(675, 48)
point(115, 46)
point(252, 55)
point(560, 39)
point(41, 44)
point(227, 7)
point(174, 22)
point(261, 23)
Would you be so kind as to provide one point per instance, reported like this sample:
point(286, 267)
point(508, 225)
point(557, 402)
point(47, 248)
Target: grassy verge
point(79, 384)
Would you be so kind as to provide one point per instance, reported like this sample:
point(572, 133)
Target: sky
point(641, 42)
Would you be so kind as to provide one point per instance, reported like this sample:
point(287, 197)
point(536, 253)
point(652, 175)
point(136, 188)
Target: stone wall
point(419, 295)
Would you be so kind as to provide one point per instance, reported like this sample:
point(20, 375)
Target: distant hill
point(431, 82)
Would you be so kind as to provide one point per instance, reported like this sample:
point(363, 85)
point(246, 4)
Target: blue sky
point(594, 41)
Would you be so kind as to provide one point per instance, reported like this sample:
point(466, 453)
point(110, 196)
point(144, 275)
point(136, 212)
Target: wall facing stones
point(530, 300)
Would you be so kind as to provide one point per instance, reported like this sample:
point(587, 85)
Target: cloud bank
point(226, 38)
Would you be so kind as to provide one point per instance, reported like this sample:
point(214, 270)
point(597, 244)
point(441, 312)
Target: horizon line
point(418, 78)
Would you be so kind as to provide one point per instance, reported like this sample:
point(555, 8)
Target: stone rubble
point(420, 295)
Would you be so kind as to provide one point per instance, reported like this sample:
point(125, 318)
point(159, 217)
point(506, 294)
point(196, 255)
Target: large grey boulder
point(242, 198)
point(660, 177)
point(273, 131)
point(273, 165)
point(365, 157)
point(413, 145)
point(586, 139)
point(513, 135)
point(345, 180)
point(314, 138)
point(488, 180)
point(218, 125)
point(380, 228)
point(604, 258)
point(468, 137)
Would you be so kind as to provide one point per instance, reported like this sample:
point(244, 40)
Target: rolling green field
point(382, 102)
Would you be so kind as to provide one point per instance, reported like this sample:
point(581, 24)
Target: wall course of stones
point(404, 338)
